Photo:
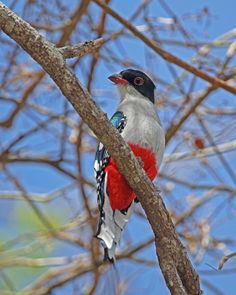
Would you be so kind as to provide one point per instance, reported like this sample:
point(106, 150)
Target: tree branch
point(225, 258)
point(177, 269)
point(81, 49)
point(202, 153)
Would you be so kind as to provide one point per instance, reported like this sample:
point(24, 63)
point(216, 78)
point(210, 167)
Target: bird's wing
point(118, 120)
point(111, 222)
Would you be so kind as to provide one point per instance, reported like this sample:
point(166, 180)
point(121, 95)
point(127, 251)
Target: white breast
point(143, 124)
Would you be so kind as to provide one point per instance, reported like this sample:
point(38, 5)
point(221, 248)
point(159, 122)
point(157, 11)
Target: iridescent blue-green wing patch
point(118, 119)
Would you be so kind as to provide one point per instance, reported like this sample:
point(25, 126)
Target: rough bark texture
point(176, 267)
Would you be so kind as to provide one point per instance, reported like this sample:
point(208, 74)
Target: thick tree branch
point(179, 274)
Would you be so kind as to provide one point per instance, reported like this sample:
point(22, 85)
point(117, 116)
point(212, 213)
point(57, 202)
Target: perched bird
point(140, 126)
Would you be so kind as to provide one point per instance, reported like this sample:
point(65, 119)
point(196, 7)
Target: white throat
point(129, 92)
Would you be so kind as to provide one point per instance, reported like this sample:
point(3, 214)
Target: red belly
point(120, 193)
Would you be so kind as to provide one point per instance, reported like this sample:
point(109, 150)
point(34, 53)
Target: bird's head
point(134, 81)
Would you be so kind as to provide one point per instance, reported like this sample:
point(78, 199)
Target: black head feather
point(141, 82)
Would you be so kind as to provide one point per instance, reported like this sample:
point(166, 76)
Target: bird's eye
point(138, 81)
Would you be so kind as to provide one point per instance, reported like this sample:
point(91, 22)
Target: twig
point(35, 197)
point(35, 262)
point(224, 259)
point(209, 151)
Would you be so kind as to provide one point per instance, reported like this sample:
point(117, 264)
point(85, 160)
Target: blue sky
point(43, 179)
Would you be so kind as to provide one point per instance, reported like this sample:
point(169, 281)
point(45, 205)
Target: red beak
point(118, 79)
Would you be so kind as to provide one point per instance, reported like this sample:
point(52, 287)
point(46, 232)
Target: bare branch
point(202, 153)
point(225, 258)
point(81, 49)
